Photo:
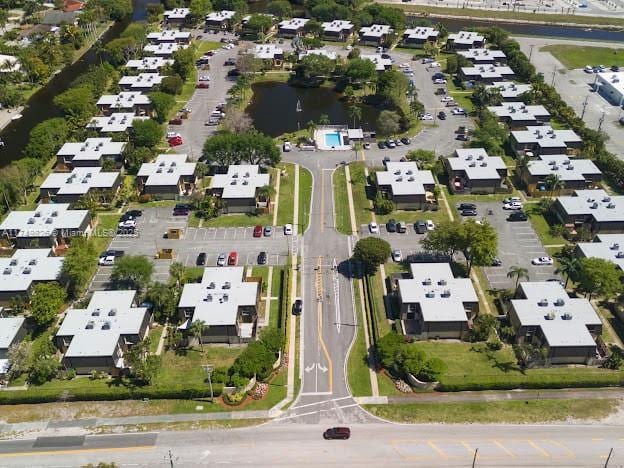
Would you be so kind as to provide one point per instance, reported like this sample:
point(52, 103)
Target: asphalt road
point(375, 444)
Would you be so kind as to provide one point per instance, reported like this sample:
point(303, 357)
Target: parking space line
point(539, 449)
point(504, 449)
point(437, 449)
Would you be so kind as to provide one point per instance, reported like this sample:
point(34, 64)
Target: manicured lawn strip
point(472, 367)
point(186, 366)
point(386, 385)
point(239, 220)
point(193, 221)
point(361, 203)
point(541, 226)
point(358, 374)
point(285, 210)
point(575, 56)
point(341, 203)
point(461, 96)
point(262, 272)
point(489, 296)
point(305, 197)
point(376, 306)
point(154, 337)
point(411, 217)
point(105, 230)
point(513, 15)
point(532, 411)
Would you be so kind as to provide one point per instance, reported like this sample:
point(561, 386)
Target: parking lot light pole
point(208, 368)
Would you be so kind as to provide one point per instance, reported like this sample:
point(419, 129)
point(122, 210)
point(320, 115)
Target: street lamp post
point(208, 368)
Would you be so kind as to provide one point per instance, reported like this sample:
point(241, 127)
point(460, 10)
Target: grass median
point(575, 56)
point(358, 371)
point(305, 197)
point(341, 202)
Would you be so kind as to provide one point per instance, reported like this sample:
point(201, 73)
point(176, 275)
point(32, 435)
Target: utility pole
point(208, 368)
point(531, 52)
point(608, 458)
point(601, 120)
point(474, 459)
point(584, 106)
point(169, 456)
point(552, 82)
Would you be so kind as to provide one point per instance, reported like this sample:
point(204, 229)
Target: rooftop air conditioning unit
point(483, 164)
point(209, 298)
point(543, 302)
point(37, 215)
point(226, 297)
point(567, 316)
point(90, 325)
point(112, 312)
point(106, 326)
point(606, 199)
point(615, 246)
point(31, 220)
point(430, 294)
point(7, 271)
point(570, 167)
point(446, 293)
point(611, 206)
point(49, 221)
point(559, 302)
point(594, 205)
point(159, 170)
point(211, 285)
point(480, 157)
point(54, 214)
point(550, 316)
point(95, 313)
point(427, 281)
point(472, 164)
point(13, 262)
point(227, 285)
point(27, 271)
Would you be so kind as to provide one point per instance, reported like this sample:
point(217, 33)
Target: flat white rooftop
point(266, 51)
point(177, 13)
point(9, 327)
point(80, 181)
point(440, 295)
point(124, 100)
point(141, 81)
point(169, 35)
point(375, 30)
point(294, 24)
point(466, 37)
point(220, 16)
point(163, 49)
point(149, 63)
point(116, 122)
point(404, 178)
point(597, 203)
point(326, 53)
point(166, 170)
point(565, 168)
point(482, 55)
point(337, 26)
point(518, 111)
point(47, 219)
point(422, 32)
point(510, 89)
point(92, 149)
point(490, 72)
point(476, 163)
point(380, 63)
point(241, 181)
point(614, 79)
point(27, 266)
point(546, 137)
point(609, 247)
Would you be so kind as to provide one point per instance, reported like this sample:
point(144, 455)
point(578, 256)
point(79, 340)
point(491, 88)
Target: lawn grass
point(516, 412)
point(105, 230)
point(193, 221)
point(461, 96)
point(361, 203)
point(386, 385)
point(154, 337)
point(239, 220)
point(502, 15)
point(305, 197)
point(358, 371)
point(285, 210)
point(412, 216)
point(575, 56)
point(541, 225)
point(377, 306)
point(185, 366)
point(473, 367)
point(341, 202)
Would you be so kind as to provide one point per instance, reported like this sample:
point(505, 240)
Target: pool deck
point(321, 142)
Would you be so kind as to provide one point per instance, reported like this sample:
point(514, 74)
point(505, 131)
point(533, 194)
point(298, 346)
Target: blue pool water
point(333, 139)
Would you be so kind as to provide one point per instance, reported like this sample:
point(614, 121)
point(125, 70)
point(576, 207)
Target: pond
point(273, 108)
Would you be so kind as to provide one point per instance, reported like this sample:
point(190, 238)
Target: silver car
point(221, 259)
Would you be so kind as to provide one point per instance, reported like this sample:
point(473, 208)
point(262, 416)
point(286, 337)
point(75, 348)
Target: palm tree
point(196, 330)
point(355, 112)
point(324, 119)
point(311, 126)
point(266, 192)
point(519, 273)
point(177, 271)
point(554, 183)
point(568, 266)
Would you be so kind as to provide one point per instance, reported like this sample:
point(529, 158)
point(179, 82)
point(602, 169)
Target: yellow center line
point(504, 449)
point(437, 449)
point(78, 450)
point(538, 448)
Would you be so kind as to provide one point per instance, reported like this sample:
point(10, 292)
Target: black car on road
point(467, 206)
point(391, 225)
point(262, 258)
point(442, 115)
point(337, 433)
point(297, 307)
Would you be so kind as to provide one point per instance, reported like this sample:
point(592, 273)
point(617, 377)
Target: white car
point(221, 259)
point(229, 46)
point(512, 206)
point(439, 81)
point(286, 147)
point(172, 135)
point(129, 223)
point(458, 111)
point(426, 117)
point(288, 230)
point(512, 200)
point(588, 69)
point(404, 65)
point(397, 256)
point(446, 99)
point(434, 64)
point(107, 261)
point(542, 261)
point(204, 78)
point(430, 225)
point(373, 228)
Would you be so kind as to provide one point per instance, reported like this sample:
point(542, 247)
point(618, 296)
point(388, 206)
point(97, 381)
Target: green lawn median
point(575, 56)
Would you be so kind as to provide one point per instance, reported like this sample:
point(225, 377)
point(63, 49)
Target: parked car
point(512, 200)
point(297, 307)
point(437, 75)
point(467, 206)
point(390, 144)
point(440, 92)
point(439, 81)
point(512, 206)
point(420, 226)
point(230, 62)
point(268, 231)
point(180, 211)
point(262, 258)
point(288, 230)
point(458, 111)
point(128, 223)
point(542, 261)
point(588, 69)
point(615, 68)
point(367, 145)
point(233, 258)
point(286, 147)
point(446, 99)
point(496, 262)
point(430, 225)
point(469, 212)
point(517, 216)
point(221, 259)
point(204, 78)
point(426, 116)
point(381, 145)
point(442, 115)
point(337, 433)
point(202, 85)
point(107, 261)
point(391, 225)
point(397, 256)
point(257, 232)
point(134, 213)
point(405, 141)
point(201, 259)
point(175, 141)
point(462, 137)
point(426, 60)
point(373, 227)
point(401, 227)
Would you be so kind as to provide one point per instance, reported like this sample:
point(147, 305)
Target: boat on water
point(16, 117)
point(299, 109)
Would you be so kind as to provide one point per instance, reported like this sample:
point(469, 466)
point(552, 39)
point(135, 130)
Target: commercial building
point(574, 174)
point(292, 27)
point(381, 64)
point(595, 210)
point(406, 186)
point(65, 187)
point(269, 52)
point(434, 304)
point(419, 36)
point(114, 123)
point(144, 82)
point(148, 64)
point(220, 20)
point(225, 301)
point(126, 101)
point(509, 90)
point(169, 35)
point(97, 337)
point(611, 86)
point(337, 30)
point(12, 332)
point(375, 34)
point(536, 141)
point(170, 176)
point(544, 315)
point(609, 247)
point(49, 226)
point(484, 56)
point(24, 269)
point(519, 115)
point(486, 73)
point(178, 16)
point(239, 188)
point(91, 153)
point(163, 49)
point(472, 170)
point(465, 40)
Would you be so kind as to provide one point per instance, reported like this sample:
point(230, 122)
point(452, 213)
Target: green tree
point(388, 123)
point(382, 205)
point(144, 366)
point(184, 62)
point(519, 273)
point(132, 272)
point(355, 112)
point(71, 34)
point(199, 10)
point(483, 97)
point(371, 251)
point(259, 23)
point(478, 243)
point(315, 68)
point(18, 355)
point(146, 133)
point(172, 84)
point(388, 349)
point(324, 119)
point(79, 264)
point(43, 369)
point(46, 138)
point(431, 49)
point(255, 360)
point(135, 157)
point(570, 267)
point(482, 327)
point(600, 277)
point(424, 159)
point(489, 134)
point(46, 301)
point(273, 339)
point(553, 183)
point(444, 239)
point(250, 147)
point(164, 298)
point(162, 104)
point(280, 8)
point(360, 71)
point(432, 370)
point(78, 105)
point(120, 50)
point(392, 87)
point(196, 330)
point(177, 271)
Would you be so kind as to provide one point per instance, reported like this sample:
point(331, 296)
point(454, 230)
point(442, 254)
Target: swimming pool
point(333, 139)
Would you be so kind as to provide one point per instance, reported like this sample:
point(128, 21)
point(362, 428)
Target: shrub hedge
point(528, 381)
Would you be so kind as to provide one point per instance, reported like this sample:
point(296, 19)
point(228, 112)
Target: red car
point(337, 433)
point(233, 259)
point(175, 141)
point(257, 231)
point(202, 85)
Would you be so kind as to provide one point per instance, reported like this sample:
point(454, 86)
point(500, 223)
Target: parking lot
point(150, 237)
point(518, 244)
